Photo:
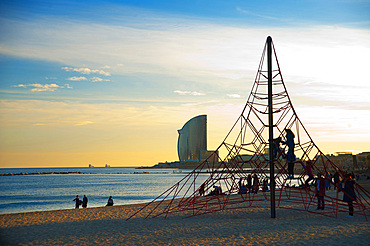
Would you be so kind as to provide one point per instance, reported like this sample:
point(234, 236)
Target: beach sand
point(248, 226)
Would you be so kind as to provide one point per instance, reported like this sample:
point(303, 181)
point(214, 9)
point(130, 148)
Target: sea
point(56, 190)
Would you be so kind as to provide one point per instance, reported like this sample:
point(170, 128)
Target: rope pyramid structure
point(240, 173)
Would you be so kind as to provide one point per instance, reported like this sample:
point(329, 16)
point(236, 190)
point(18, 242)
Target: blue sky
point(118, 77)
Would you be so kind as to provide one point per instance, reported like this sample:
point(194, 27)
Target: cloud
point(85, 70)
point(198, 51)
point(97, 79)
point(77, 78)
point(83, 123)
point(192, 93)
point(233, 95)
point(45, 87)
point(240, 10)
point(20, 85)
point(42, 87)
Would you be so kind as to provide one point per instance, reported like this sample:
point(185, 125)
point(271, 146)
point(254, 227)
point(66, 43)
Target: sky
point(111, 82)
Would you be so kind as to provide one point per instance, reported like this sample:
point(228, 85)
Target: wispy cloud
point(256, 15)
point(234, 95)
point(42, 87)
point(97, 79)
point(85, 70)
point(77, 78)
point(83, 123)
point(192, 93)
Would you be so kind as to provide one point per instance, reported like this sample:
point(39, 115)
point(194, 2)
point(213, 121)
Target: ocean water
point(127, 185)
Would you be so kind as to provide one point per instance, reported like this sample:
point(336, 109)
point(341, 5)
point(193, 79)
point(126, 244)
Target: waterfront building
point(192, 139)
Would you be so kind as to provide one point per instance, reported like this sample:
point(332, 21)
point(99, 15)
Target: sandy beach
point(251, 226)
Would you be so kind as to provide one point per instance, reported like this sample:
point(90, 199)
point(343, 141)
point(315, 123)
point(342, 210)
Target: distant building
point(363, 160)
point(343, 160)
point(192, 139)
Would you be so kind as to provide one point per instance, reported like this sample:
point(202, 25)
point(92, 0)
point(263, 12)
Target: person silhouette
point(349, 192)
point(290, 155)
point(77, 200)
point(84, 201)
point(110, 201)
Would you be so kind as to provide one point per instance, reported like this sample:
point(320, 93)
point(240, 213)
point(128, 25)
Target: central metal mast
point(271, 127)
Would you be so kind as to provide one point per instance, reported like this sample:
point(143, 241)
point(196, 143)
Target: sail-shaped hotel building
point(192, 139)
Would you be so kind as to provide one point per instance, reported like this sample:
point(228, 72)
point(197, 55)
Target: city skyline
point(111, 82)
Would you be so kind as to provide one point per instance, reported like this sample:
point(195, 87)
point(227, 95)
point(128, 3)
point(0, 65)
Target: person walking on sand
point(78, 202)
point(349, 193)
point(84, 202)
point(110, 201)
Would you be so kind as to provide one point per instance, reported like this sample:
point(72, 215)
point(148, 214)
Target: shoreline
point(247, 226)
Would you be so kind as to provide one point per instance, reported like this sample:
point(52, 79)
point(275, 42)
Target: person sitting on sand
point(201, 190)
point(78, 202)
point(110, 201)
point(216, 191)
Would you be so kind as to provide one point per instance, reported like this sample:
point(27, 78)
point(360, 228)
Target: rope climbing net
point(236, 175)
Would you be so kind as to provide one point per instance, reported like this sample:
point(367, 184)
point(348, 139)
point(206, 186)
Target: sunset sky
point(111, 82)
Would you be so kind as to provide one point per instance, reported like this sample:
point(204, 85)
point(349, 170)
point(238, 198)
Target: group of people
point(323, 183)
point(252, 185)
point(84, 201)
point(349, 194)
point(216, 191)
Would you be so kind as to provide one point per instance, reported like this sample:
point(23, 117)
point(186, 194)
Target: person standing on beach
point(110, 201)
point(320, 192)
point(84, 202)
point(349, 193)
point(336, 180)
point(249, 183)
point(328, 180)
point(77, 200)
point(255, 183)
